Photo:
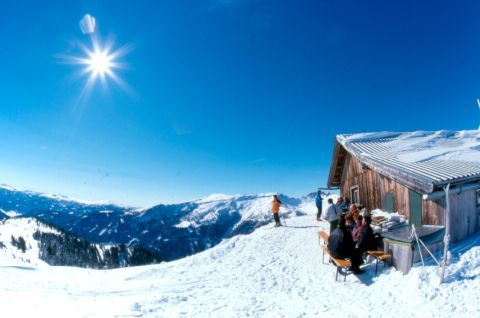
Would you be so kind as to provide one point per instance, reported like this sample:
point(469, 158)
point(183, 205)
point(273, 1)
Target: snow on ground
point(24, 228)
point(273, 272)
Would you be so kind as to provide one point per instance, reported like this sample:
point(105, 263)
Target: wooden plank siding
point(433, 212)
point(373, 187)
point(464, 215)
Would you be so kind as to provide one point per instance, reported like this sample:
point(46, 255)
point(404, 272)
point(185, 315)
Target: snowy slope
point(272, 272)
point(30, 242)
point(21, 228)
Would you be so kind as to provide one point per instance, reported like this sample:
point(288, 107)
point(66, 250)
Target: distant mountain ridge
point(169, 231)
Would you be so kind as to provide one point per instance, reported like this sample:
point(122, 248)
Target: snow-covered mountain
point(50, 208)
point(170, 231)
point(177, 230)
point(30, 241)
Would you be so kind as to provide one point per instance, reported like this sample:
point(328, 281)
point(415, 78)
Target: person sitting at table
point(354, 210)
point(357, 228)
point(341, 246)
point(349, 223)
point(366, 241)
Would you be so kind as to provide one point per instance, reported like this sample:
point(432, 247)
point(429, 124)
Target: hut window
point(478, 197)
point(355, 194)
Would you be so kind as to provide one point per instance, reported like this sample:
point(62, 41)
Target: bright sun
point(100, 63)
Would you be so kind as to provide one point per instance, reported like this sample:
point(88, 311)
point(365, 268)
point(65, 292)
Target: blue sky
point(226, 96)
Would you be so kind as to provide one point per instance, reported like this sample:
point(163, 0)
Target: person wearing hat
point(318, 204)
point(276, 209)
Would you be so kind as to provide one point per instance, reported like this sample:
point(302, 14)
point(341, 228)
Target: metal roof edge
point(410, 180)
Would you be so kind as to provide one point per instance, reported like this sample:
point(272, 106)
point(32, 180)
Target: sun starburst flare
point(100, 63)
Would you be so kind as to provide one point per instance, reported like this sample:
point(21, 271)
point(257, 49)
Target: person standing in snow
point(276, 209)
point(339, 201)
point(318, 204)
point(333, 214)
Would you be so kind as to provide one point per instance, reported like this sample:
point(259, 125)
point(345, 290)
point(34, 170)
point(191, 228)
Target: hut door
point(415, 205)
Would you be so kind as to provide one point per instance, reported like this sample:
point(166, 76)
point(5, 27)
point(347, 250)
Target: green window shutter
point(389, 202)
point(415, 205)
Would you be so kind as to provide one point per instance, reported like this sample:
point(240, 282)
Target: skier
point(276, 209)
point(318, 203)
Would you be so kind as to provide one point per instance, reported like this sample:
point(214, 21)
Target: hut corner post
point(446, 238)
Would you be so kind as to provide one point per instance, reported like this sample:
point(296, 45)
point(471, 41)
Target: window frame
point(355, 194)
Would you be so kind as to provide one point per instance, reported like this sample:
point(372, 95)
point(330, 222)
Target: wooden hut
point(407, 173)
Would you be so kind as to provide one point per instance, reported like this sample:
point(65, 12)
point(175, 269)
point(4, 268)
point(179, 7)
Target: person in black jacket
point(366, 241)
point(341, 245)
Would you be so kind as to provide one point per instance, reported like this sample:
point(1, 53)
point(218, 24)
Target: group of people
point(348, 241)
point(350, 231)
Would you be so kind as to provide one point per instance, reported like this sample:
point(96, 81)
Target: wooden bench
point(379, 256)
point(323, 241)
point(343, 266)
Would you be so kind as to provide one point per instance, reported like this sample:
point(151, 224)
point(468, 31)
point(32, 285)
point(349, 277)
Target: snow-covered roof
point(427, 159)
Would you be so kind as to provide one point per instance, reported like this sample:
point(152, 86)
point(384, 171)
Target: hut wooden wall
point(433, 212)
point(372, 187)
point(400, 195)
point(465, 219)
point(356, 175)
point(464, 215)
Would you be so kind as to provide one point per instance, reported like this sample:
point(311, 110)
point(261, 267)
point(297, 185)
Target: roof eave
point(333, 167)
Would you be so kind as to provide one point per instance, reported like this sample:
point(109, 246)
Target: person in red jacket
point(276, 209)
